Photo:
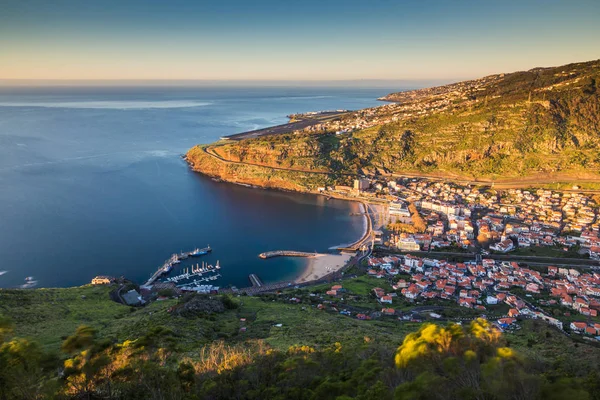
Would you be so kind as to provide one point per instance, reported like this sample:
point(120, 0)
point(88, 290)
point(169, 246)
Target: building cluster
point(406, 105)
point(575, 290)
point(489, 283)
point(501, 220)
point(545, 218)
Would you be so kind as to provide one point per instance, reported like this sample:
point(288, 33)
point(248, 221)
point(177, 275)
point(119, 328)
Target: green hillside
point(76, 343)
point(543, 123)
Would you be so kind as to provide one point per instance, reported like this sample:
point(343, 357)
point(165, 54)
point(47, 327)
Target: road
point(500, 184)
point(211, 152)
point(558, 261)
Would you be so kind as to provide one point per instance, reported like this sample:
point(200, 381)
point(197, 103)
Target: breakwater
point(286, 253)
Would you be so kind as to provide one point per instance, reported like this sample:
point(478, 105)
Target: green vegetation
point(536, 126)
point(285, 351)
point(548, 251)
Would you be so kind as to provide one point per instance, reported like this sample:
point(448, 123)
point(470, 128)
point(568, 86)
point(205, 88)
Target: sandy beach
point(321, 265)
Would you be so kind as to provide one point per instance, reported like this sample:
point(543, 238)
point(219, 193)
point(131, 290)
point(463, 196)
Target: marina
point(174, 260)
point(195, 271)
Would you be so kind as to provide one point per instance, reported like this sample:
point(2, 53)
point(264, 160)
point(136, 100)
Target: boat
point(198, 252)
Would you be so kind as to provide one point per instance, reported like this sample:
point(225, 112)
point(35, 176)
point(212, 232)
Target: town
point(554, 236)
point(423, 215)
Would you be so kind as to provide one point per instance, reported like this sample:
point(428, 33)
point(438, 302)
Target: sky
point(291, 40)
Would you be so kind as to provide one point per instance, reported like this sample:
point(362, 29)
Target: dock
point(285, 253)
point(196, 271)
point(255, 280)
point(175, 259)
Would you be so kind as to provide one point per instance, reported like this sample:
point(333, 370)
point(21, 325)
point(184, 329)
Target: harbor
point(197, 271)
point(175, 259)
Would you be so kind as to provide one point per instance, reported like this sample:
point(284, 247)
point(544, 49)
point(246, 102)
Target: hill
point(76, 343)
point(541, 125)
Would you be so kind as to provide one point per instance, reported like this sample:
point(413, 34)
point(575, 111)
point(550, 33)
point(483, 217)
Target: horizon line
point(388, 85)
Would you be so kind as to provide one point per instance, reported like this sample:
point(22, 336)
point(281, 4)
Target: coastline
point(321, 265)
point(324, 264)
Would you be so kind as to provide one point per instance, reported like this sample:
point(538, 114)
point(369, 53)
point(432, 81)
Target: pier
point(285, 253)
point(255, 280)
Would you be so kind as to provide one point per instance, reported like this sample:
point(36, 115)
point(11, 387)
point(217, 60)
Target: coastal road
point(557, 261)
point(500, 184)
point(211, 152)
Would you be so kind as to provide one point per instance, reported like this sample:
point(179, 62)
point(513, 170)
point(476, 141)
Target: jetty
point(286, 253)
point(255, 280)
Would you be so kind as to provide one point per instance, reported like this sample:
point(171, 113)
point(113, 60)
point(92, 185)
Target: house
point(388, 311)
point(331, 293)
point(513, 312)
point(504, 246)
point(590, 330)
point(411, 261)
point(578, 326)
point(386, 299)
point(411, 292)
point(401, 284)
point(103, 280)
point(505, 322)
point(468, 302)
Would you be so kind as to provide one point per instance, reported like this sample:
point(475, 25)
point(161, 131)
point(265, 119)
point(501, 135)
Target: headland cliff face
point(256, 175)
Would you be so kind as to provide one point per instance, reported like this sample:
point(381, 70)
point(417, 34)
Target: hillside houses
point(527, 218)
point(476, 286)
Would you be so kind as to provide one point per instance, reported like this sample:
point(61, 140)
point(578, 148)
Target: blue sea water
point(91, 182)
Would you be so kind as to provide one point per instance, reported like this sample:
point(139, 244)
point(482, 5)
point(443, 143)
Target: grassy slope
point(49, 315)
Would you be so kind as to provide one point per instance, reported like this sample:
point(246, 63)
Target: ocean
point(92, 183)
